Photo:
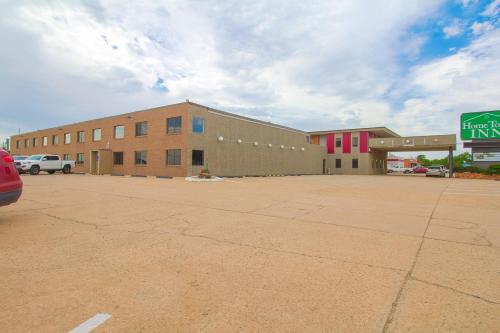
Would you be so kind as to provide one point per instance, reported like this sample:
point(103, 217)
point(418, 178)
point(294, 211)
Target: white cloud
point(492, 9)
point(480, 28)
point(455, 29)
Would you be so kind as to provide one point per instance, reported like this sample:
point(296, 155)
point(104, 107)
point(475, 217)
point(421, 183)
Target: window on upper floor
point(80, 136)
point(67, 138)
point(141, 129)
point(355, 141)
point(198, 125)
point(174, 125)
point(119, 132)
point(45, 141)
point(34, 142)
point(96, 134)
point(55, 139)
point(338, 142)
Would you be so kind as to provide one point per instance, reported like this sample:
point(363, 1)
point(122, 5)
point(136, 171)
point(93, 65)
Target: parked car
point(436, 170)
point(11, 185)
point(397, 168)
point(17, 161)
point(420, 169)
point(50, 163)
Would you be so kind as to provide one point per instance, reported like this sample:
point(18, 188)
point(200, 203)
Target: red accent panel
point(363, 144)
point(330, 143)
point(346, 143)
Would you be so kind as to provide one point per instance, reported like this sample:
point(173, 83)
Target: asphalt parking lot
point(294, 254)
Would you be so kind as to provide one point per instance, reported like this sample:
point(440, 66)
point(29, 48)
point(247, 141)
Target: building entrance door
point(94, 162)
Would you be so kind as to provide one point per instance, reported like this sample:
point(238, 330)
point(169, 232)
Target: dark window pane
point(197, 157)
point(354, 163)
point(338, 163)
point(141, 128)
point(174, 125)
point(338, 142)
point(118, 158)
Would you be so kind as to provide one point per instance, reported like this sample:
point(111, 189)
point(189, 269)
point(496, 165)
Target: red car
point(11, 185)
point(420, 169)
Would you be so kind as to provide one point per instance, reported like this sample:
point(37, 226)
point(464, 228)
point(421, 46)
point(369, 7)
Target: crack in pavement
point(454, 290)
point(465, 243)
point(395, 303)
point(65, 219)
point(223, 241)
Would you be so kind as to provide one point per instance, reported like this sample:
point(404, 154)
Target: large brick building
point(181, 139)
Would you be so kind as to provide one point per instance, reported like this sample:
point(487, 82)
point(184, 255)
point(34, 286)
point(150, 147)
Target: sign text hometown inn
point(480, 125)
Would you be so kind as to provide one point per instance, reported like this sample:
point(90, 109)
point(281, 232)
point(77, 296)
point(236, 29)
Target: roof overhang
point(378, 131)
point(415, 143)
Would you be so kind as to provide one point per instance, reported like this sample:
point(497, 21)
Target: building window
point(80, 136)
point(119, 132)
point(198, 125)
point(173, 157)
point(118, 158)
point(45, 141)
point(18, 144)
point(174, 125)
point(96, 134)
point(79, 158)
point(141, 157)
point(308, 139)
point(141, 129)
point(338, 142)
point(66, 157)
point(354, 141)
point(26, 143)
point(197, 157)
point(55, 139)
point(34, 142)
point(67, 138)
point(338, 163)
point(354, 163)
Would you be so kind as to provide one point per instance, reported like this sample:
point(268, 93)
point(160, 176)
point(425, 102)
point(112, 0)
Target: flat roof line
point(237, 116)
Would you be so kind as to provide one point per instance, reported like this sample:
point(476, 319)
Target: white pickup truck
point(397, 168)
point(50, 163)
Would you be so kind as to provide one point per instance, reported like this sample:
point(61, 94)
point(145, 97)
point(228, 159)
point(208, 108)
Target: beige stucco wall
point(229, 158)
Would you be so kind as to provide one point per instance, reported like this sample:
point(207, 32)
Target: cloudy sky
point(412, 66)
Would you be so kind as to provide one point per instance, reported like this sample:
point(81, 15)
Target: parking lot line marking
point(91, 323)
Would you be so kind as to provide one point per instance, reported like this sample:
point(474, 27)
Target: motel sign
point(480, 125)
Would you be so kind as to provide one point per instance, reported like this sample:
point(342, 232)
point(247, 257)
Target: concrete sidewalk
point(299, 254)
